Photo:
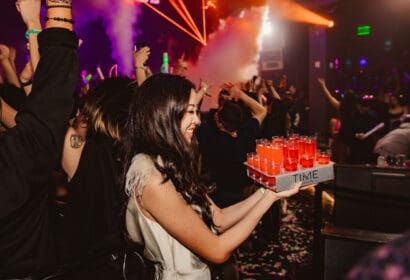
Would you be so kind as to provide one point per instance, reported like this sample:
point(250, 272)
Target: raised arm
point(141, 70)
point(30, 14)
point(26, 77)
point(9, 71)
point(257, 109)
point(74, 142)
point(34, 144)
point(272, 90)
point(333, 101)
point(181, 66)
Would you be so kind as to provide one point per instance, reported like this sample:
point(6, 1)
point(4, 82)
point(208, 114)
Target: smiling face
point(191, 119)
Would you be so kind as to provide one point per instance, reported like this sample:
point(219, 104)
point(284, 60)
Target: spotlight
point(293, 11)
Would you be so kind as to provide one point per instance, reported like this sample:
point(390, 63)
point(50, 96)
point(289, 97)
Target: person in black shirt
point(225, 143)
point(30, 150)
point(93, 243)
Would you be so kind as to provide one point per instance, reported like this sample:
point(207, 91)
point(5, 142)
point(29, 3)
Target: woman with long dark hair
point(168, 208)
point(92, 232)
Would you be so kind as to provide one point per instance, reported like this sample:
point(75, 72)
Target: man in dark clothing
point(28, 154)
point(224, 155)
point(361, 149)
point(224, 141)
point(224, 144)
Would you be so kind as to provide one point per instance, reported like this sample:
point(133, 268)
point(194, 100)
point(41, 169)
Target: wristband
point(59, 6)
point(68, 20)
point(32, 31)
point(24, 84)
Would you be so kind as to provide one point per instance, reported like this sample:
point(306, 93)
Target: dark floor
point(290, 257)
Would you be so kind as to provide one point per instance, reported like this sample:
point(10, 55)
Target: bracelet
point(24, 84)
point(69, 20)
point(59, 6)
point(32, 31)
point(262, 190)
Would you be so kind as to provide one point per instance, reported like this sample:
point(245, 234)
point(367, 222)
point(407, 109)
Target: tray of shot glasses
point(279, 163)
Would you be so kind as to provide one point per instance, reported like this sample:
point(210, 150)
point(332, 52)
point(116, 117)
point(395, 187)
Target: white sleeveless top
point(173, 260)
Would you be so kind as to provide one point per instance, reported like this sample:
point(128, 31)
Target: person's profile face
point(190, 120)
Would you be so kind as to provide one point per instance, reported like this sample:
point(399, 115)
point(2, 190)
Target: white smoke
point(231, 54)
point(120, 18)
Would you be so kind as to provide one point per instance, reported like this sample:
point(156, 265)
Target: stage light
point(337, 63)
point(363, 62)
point(295, 12)
point(387, 45)
point(267, 28)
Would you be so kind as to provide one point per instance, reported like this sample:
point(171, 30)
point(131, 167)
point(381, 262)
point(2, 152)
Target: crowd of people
point(141, 165)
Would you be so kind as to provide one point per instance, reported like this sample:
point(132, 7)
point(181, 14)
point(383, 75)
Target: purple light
point(337, 63)
point(363, 62)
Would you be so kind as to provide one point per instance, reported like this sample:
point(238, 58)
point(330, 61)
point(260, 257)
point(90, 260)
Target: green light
point(363, 30)
point(165, 58)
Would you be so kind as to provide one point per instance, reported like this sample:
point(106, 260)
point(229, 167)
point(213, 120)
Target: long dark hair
point(153, 128)
point(105, 107)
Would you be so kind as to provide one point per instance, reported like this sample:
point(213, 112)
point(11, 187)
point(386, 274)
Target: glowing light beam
point(295, 12)
point(173, 22)
point(186, 16)
point(204, 20)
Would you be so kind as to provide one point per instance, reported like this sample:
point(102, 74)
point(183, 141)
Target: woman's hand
point(4, 52)
point(204, 86)
point(182, 66)
point(285, 194)
point(141, 56)
point(233, 90)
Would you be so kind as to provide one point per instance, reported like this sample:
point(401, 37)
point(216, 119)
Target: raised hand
point(321, 82)
point(182, 65)
point(141, 56)
point(4, 52)
point(30, 12)
point(233, 90)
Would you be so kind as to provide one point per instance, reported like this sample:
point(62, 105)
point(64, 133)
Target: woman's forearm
point(257, 109)
point(229, 216)
point(333, 101)
point(10, 73)
point(59, 17)
point(237, 234)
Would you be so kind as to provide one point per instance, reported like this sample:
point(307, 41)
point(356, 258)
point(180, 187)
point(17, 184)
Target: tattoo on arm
point(76, 141)
point(68, 2)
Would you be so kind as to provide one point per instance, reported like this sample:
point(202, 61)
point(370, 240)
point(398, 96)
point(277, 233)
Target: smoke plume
point(231, 54)
point(120, 18)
